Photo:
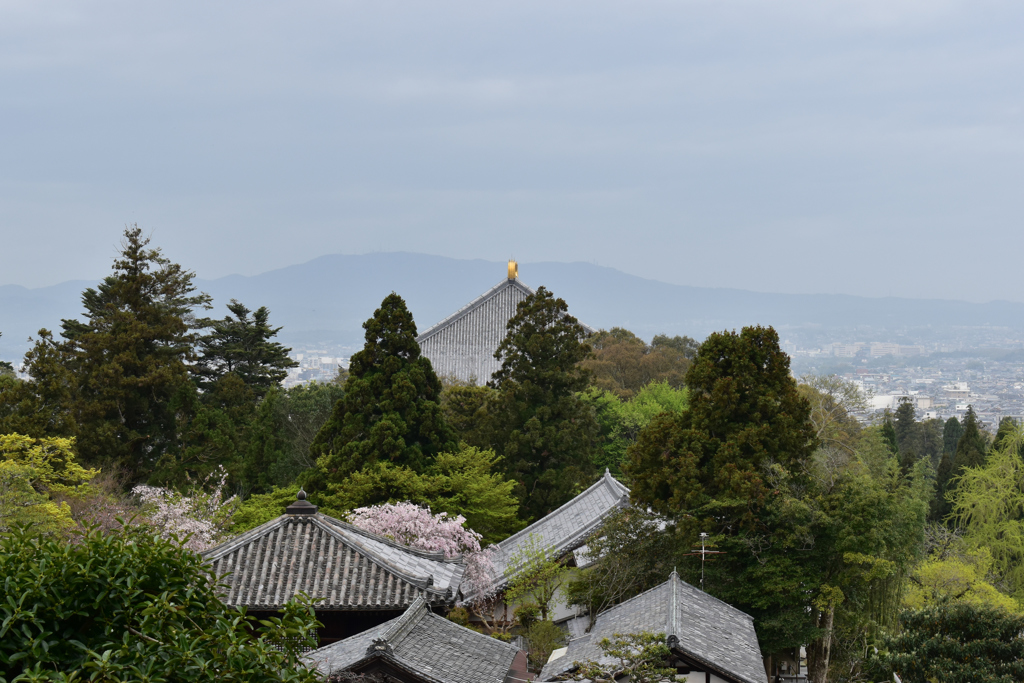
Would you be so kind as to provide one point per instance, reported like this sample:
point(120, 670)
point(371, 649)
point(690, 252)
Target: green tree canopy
point(545, 432)
point(621, 421)
point(285, 424)
point(623, 364)
point(954, 643)
point(951, 432)
point(745, 414)
point(988, 503)
point(242, 345)
point(390, 411)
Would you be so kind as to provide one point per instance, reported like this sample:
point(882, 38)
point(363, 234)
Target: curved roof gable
point(431, 647)
point(568, 527)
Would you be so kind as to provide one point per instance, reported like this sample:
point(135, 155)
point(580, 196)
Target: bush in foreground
point(132, 606)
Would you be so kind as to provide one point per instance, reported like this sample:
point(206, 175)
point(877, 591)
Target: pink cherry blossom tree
point(418, 527)
point(197, 518)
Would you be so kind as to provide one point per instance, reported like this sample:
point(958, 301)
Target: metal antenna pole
point(703, 552)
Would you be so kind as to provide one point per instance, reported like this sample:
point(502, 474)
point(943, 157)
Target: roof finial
point(513, 269)
point(301, 506)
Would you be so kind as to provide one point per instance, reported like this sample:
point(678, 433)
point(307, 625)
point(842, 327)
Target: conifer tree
point(889, 434)
point(128, 357)
point(1007, 427)
point(745, 413)
point(971, 448)
point(546, 433)
point(390, 411)
point(951, 433)
point(242, 345)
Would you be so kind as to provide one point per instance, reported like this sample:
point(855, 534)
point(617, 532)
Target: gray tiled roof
point(420, 641)
point(566, 528)
point(696, 625)
point(337, 564)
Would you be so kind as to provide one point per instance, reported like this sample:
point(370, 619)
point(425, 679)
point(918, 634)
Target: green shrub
point(542, 638)
point(526, 614)
point(130, 606)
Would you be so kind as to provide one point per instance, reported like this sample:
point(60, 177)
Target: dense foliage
point(954, 643)
point(624, 364)
point(131, 606)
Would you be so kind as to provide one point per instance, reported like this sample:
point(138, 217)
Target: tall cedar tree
point(242, 345)
point(390, 411)
point(951, 433)
point(906, 429)
point(889, 434)
point(546, 433)
point(745, 413)
point(130, 357)
point(722, 467)
point(971, 449)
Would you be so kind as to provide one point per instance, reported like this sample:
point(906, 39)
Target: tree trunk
point(820, 651)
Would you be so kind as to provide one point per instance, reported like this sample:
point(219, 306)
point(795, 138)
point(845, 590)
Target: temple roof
point(340, 566)
point(424, 644)
point(462, 346)
point(712, 634)
point(568, 527)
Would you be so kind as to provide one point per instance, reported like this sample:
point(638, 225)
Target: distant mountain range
point(326, 300)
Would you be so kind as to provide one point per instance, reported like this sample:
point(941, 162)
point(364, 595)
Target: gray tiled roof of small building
point(708, 630)
point(426, 643)
point(338, 565)
point(567, 528)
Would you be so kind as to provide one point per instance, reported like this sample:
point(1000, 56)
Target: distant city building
point(847, 350)
point(462, 346)
point(957, 390)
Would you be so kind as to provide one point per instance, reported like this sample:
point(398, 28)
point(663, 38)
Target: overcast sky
point(870, 147)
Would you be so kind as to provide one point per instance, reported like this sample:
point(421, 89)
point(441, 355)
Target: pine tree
point(129, 357)
point(546, 433)
point(390, 411)
point(242, 345)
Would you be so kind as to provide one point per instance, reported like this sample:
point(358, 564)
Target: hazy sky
point(869, 147)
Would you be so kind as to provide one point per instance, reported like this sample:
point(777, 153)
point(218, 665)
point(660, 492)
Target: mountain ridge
point(326, 300)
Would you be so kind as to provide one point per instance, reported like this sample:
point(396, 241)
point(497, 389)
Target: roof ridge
point(473, 304)
point(400, 629)
point(606, 478)
point(435, 555)
point(230, 546)
point(424, 582)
